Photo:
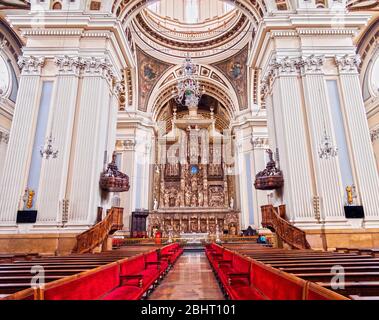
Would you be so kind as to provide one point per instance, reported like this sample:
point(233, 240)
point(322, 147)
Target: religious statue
point(194, 200)
point(166, 199)
point(29, 202)
point(188, 196)
point(201, 196)
point(155, 204)
point(349, 191)
point(231, 203)
point(25, 198)
point(154, 231)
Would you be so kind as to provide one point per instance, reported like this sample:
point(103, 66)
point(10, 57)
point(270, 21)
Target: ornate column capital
point(259, 142)
point(68, 65)
point(31, 64)
point(311, 64)
point(126, 144)
point(97, 66)
point(348, 63)
point(285, 65)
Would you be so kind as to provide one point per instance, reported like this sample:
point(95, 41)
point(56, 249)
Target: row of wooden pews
point(135, 269)
point(243, 278)
point(351, 273)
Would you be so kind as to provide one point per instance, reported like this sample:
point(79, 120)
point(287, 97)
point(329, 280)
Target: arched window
point(375, 76)
point(191, 11)
point(4, 77)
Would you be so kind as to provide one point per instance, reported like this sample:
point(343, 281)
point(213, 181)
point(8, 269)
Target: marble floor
point(191, 278)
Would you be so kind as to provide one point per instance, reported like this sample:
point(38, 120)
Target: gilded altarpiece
point(193, 191)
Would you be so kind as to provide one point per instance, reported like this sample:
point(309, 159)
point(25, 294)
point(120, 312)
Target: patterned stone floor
point(190, 279)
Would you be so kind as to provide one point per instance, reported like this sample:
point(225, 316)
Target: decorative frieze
point(31, 64)
point(348, 63)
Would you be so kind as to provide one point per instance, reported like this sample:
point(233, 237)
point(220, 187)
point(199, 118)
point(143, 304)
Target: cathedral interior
point(239, 136)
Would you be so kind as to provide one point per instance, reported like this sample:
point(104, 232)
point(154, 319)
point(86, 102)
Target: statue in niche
point(231, 203)
point(177, 200)
point(155, 204)
point(166, 199)
point(188, 196)
point(184, 226)
point(194, 227)
point(201, 196)
point(194, 184)
point(194, 200)
point(203, 226)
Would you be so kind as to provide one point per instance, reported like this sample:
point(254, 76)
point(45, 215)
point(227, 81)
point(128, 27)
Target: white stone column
point(90, 141)
point(258, 163)
point(17, 160)
point(359, 135)
point(291, 134)
point(327, 173)
point(127, 166)
point(54, 172)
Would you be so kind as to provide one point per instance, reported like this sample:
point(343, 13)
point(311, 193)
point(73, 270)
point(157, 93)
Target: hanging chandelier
point(47, 150)
point(188, 88)
point(327, 149)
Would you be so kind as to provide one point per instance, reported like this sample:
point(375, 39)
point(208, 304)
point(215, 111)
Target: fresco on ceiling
point(149, 72)
point(235, 69)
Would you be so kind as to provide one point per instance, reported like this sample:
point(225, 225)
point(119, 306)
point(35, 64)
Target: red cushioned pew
point(171, 253)
point(126, 279)
point(243, 278)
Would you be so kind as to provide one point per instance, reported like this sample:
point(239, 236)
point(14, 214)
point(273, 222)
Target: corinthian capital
point(312, 63)
point(31, 64)
point(285, 65)
point(348, 63)
point(68, 64)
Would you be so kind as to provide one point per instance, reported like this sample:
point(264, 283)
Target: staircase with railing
point(95, 237)
point(273, 220)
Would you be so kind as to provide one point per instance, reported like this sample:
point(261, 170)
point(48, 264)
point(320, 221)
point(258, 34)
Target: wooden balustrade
point(290, 234)
point(95, 236)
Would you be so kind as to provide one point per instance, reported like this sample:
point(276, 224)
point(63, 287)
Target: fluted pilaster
point(328, 182)
point(89, 145)
point(54, 172)
point(15, 171)
point(361, 147)
point(292, 140)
